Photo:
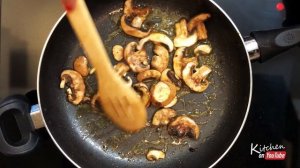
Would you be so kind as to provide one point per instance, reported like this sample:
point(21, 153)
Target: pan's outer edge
point(229, 147)
point(38, 89)
point(250, 89)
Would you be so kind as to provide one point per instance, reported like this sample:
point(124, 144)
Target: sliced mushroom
point(187, 60)
point(203, 49)
point(130, 10)
point(151, 73)
point(121, 68)
point(75, 85)
point(201, 31)
point(163, 116)
point(193, 23)
point(118, 52)
point(196, 81)
point(155, 154)
point(182, 39)
point(184, 126)
point(138, 14)
point(186, 42)
point(162, 93)
point(138, 21)
point(179, 61)
point(181, 28)
point(160, 61)
point(172, 103)
point(81, 65)
point(198, 23)
point(169, 76)
point(136, 59)
point(144, 93)
point(157, 38)
point(132, 31)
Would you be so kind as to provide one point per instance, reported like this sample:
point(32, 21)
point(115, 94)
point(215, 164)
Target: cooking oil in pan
point(198, 106)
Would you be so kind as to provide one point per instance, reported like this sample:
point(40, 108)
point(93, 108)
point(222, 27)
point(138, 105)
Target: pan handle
point(263, 45)
point(17, 134)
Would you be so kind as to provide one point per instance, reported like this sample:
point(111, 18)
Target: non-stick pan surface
point(89, 140)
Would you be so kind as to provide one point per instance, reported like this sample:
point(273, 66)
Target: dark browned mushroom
point(75, 85)
point(184, 126)
point(169, 76)
point(160, 61)
point(132, 31)
point(196, 80)
point(136, 59)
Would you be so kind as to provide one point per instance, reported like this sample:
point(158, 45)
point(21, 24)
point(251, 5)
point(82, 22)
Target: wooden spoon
point(119, 101)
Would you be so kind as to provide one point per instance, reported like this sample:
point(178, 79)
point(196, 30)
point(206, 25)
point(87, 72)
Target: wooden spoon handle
point(85, 29)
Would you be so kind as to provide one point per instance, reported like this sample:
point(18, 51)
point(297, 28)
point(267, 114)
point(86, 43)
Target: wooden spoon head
point(122, 105)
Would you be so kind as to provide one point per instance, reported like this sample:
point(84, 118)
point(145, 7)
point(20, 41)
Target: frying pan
point(88, 139)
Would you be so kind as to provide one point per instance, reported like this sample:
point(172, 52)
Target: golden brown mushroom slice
point(136, 59)
point(196, 81)
point(139, 15)
point(81, 65)
point(169, 76)
point(179, 61)
point(155, 154)
point(160, 61)
point(144, 92)
point(148, 74)
point(172, 103)
point(75, 85)
point(163, 116)
point(121, 68)
point(118, 52)
point(203, 49)
point(184, 126)
point(138, 21)
point(157, 38)
point(162, 93)
point(183, 39)
point(197, 23)
point(132, 31)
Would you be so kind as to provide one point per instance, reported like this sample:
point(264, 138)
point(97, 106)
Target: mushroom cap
point(184, 126)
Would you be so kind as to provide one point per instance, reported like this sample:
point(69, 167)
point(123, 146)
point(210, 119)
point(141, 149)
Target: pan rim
point(220, 157)
point(250, 88)
point(38, 89)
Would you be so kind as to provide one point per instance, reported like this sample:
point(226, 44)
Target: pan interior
point(90, 140)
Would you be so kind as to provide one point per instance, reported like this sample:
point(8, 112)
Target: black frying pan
point(88, 140)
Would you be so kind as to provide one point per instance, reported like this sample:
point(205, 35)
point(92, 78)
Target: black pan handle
point(272, 42)
point(16, 108)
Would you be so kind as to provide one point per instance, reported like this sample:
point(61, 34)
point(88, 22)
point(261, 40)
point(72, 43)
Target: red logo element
point(275, 155)
point(280, 6)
